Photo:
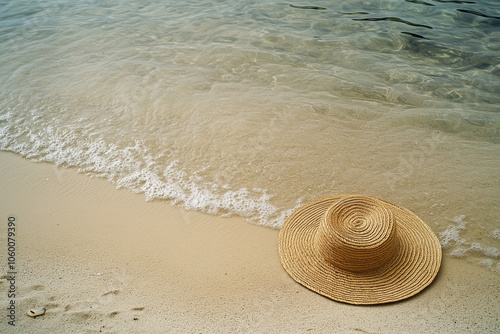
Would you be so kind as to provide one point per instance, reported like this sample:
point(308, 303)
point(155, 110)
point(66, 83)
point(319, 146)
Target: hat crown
point(357, 233)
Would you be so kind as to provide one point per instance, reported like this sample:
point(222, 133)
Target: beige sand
point(103, 260)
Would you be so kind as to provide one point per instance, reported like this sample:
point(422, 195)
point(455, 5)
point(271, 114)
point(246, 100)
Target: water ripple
point(308, 7)
point(394, 19)
point(419, 2)
point(413, 34)
point(473, 12)
point(460, 2)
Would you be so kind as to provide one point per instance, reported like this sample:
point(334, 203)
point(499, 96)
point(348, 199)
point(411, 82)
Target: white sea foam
point(462, 248)
point(194, 194)
point(134, 168)
point(451, 235)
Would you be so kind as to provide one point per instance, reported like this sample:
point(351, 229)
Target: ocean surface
point(252, 108)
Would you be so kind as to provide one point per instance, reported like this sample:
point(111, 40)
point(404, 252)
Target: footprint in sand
point(113, 314)
point(81, 310)
point(110, 293)
point(37, 287)
point(135, 314)
point(138, 309)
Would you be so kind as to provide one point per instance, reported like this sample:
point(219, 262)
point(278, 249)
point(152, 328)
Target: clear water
point(253, 107)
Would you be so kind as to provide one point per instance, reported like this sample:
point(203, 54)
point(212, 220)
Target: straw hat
point(359, 249)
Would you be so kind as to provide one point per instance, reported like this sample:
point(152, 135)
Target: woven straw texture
point(359, 250)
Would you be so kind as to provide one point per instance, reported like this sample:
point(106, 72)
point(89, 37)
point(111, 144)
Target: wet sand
point(103, 260)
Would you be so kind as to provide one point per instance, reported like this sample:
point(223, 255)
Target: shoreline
point(104, 260)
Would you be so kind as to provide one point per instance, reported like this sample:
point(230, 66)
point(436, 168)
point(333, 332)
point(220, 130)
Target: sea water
point(252, 108)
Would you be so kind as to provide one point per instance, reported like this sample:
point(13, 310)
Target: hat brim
point(413, 267)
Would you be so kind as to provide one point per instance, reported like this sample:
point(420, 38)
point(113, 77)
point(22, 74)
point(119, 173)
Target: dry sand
point(104, 260)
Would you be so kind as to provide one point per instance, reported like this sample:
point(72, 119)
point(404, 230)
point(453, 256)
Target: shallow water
point(254, 107)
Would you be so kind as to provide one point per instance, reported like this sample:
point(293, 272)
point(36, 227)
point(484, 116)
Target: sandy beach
point(103, 260)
